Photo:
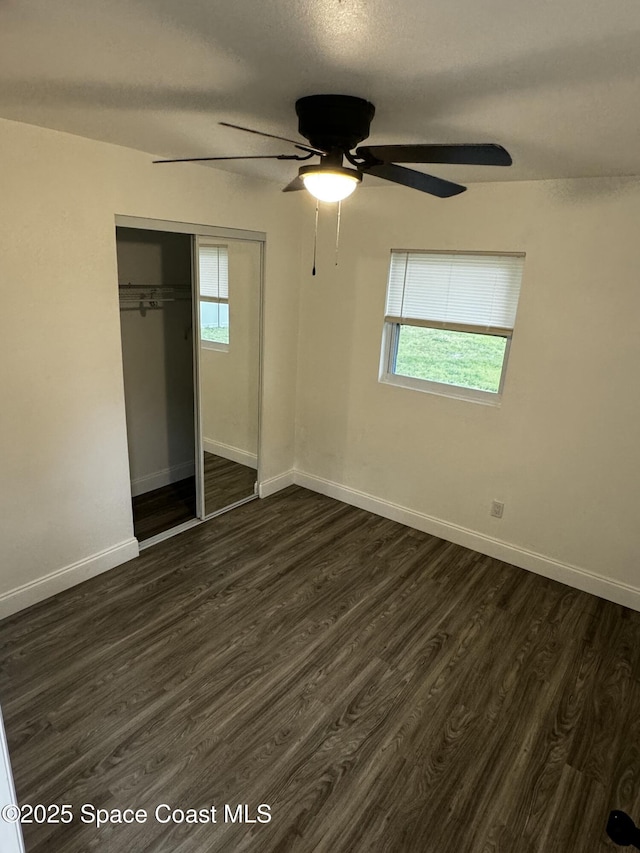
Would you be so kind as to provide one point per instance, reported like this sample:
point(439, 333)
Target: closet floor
point(225, 483)
point(164, 508)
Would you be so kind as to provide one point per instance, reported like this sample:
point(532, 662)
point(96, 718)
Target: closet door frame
point(195, 231)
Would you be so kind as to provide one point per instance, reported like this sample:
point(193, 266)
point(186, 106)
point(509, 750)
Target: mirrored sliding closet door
point(229, 285)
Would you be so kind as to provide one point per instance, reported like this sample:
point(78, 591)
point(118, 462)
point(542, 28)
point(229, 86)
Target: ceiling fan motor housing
point(332, 122)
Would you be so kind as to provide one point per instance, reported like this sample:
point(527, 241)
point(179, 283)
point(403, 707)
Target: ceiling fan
point(334, 125)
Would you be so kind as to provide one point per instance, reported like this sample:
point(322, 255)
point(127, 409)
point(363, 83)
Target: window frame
point(391, 336)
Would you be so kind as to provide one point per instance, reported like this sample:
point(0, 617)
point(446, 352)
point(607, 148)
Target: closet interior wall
point(157, 355)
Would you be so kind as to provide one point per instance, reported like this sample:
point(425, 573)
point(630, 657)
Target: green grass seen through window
point(454, 358)
point(219, 334)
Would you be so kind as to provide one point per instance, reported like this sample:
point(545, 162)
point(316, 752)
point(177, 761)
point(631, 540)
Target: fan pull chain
point(338, 230)
point(315, 240)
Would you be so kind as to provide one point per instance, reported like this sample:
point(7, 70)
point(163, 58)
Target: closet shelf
point(141, 297)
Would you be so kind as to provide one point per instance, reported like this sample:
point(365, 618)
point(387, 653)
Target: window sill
point(214, 345)
point(456, 392)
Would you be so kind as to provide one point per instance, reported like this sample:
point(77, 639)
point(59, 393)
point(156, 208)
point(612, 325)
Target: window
point(448, 321)
point(214, 295)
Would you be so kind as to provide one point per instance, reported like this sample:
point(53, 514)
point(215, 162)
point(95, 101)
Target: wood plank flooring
point(225, 482)
point(164, 508)
point(380, 689)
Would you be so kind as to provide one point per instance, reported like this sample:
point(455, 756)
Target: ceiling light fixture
point(333, 183)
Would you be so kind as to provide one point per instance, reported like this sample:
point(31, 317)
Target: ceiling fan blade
point(296, 184)
point(301, 145)
point(241, 157)
point(415, 180)
point(470, 155)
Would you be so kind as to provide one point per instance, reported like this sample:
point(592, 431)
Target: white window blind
point(214, 272)
point(454, 290)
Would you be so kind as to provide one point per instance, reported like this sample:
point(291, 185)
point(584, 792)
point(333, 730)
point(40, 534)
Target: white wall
point(157, 360)
point(561, 451)
point(64, 495)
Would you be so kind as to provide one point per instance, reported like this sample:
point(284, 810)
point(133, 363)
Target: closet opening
point(191, 324)
point(156, 321)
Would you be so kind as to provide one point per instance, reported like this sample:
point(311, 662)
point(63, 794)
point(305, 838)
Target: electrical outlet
point(497, 508)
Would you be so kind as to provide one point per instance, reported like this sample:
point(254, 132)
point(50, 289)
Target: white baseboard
point(573, 576)
point(275, 484)
point(169, 534)
point(142, 485)
point(227, 451)
point(37, 590)
point(24, 596)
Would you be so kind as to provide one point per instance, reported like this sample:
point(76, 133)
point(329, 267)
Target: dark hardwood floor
point(164, 508)
point(380, 689)
point(225, 483)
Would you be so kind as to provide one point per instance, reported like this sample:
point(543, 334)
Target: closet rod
point(131, 286)
point(136, 302)
point(141, 308)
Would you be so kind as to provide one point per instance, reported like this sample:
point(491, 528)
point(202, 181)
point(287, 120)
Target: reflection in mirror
point(229, 273)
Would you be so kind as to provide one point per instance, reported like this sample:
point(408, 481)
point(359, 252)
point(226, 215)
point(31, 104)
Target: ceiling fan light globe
point(330, 184)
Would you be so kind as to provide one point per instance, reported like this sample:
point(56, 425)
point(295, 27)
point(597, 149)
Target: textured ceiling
point(557, 82)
